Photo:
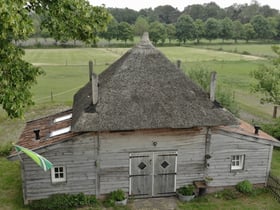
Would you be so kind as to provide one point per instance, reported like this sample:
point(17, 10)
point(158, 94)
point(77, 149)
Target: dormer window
point(60, 131)
point(62, 118)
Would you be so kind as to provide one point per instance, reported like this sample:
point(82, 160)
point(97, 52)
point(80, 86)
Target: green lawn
point(67, 70)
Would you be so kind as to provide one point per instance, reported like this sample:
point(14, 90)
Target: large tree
point(185, 28)
point(261, 26)
point(18, 76)
point(141, 25)
point(237, 30)
point(125, 32)
point(226, 28)
point(157, 32)
point(212, 29)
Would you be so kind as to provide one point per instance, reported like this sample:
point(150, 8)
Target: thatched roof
point(144, 90)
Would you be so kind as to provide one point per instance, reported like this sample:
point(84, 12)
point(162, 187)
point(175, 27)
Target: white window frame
point(237, 162)
point(62, 118)
point(58, 174)
point(60, 131)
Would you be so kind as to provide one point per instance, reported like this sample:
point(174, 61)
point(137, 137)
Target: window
point(60, 131)
point(237, 162)
point(58, 174)
point(65, 117)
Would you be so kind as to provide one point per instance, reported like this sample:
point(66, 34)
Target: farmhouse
point(143, 126)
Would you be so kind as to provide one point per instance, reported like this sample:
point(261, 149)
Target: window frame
point(240, 160)
point(58, 179)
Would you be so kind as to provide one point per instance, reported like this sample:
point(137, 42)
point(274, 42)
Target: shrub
point(64, 202)
point(245, 187)
point(117, 195)
point(5, 149)
point(186, 190)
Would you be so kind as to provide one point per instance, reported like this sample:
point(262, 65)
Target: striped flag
point(40, 160)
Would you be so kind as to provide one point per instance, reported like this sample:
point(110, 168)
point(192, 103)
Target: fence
point(274, 186)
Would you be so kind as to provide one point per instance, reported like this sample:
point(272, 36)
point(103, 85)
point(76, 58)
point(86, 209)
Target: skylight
point(60, 131)
point(65, 117)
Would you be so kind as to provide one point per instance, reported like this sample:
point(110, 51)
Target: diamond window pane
point(142, 165)
point(164, 164)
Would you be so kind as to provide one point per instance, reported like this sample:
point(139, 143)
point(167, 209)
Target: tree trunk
point(274, 111)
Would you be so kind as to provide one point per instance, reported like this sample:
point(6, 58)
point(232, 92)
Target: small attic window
point(62, 118)
point(60, 131)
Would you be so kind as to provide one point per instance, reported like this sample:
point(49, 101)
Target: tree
point(157, 32)
point(141, 26)
point(267, 80)
point(18, 76)
point(196, 11)
point(212, 29)
point(167, 14)
point(199, 29)
point(170, 32)
point(185, 28)
point(249, 32)
point(237, 30)
point(226, 28)
point(111, 32)
point(125, 32)
point(261, 27)
point(124, 15)
point(201, 75)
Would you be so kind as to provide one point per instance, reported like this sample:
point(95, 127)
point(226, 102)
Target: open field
point(66, 71)
point(262, 50)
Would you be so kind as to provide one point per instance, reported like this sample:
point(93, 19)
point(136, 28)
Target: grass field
point(262, 50)
point(66, 70)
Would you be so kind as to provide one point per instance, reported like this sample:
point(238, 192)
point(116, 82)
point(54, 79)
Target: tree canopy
point(64, 18)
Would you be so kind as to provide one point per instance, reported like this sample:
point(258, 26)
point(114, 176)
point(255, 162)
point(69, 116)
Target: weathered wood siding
point(78, 155)
point(115, 149)
point(224, 145)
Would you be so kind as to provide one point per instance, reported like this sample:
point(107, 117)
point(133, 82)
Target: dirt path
point(166, 203)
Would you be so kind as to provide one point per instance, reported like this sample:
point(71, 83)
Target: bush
point(117, 195)
point(186, 190)
point(245, 187)
point(5, 149)
point(64, 202)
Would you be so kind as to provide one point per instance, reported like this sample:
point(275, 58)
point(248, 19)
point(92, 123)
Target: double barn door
point(153, 173)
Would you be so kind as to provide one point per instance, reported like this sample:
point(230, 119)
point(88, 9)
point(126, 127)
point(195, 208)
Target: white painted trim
point(58, 180)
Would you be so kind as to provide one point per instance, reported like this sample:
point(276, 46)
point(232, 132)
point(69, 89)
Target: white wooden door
point(153, 173)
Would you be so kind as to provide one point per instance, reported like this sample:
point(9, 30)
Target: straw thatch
point(144, 90)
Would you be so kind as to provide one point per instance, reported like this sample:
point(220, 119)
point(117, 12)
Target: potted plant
point(119, 197)
point(186, 193)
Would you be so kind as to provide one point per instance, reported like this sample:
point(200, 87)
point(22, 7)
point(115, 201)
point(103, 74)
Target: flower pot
point(185, 198)
point(121, 203)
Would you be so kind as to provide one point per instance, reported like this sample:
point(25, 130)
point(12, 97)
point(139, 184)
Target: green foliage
point(267, 80)
point(157, 32)
point(5, 149)
point(186, 190)
point(18, 76)
point(201, 75)
point(141, 26)
point(228, 194)
point(185, 28)
point(226, 28)
point(212, 29)
point(125, 32)
point(117, 195)
point(245, 187)
point(261, 27)
point(64, 202)
point(272, 129)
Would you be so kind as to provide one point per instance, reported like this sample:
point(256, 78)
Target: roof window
point(60, 131)
point(62, 118)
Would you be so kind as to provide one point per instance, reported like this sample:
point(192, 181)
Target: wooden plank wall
point(77, 155)
point(116, 147)
point(256, 160)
